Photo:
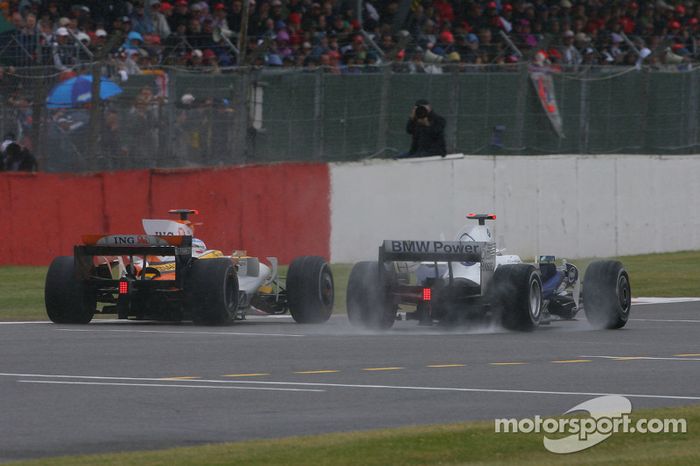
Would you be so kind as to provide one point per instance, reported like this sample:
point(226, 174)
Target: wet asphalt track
point(115, 386)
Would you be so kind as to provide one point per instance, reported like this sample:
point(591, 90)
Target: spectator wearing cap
point(492, 18)
point(469, 53)
point(220, 20)
point(296, 34)
point(358, 49)
point(196, 59)
point(99, 38)
point(446, 42)
point(570, 55)
point(303, 54)
point(506, 18)
point(125, 65)
point(281, 45)
point(167, 10)
point(159, 22)
point(523, 36)
point(210, 62)
point(64, 53)
point(181, 15)
point(123, 24)
point(83, 51)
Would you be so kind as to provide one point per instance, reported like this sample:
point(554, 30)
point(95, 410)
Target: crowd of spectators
point(139, 37)
point(414, 35)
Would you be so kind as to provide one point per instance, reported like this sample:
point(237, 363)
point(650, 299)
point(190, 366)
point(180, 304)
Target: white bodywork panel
point(248, 280)
point(470, 271)
point(251, 284)
point(165, 228)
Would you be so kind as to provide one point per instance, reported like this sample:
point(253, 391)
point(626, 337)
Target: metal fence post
point(383, 110)
point(453, 117)
point(521, 107)
point(584, 117)
point(692, 133)
point(319, 97)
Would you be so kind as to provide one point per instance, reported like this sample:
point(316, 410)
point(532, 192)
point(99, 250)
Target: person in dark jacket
point(427, 130)
point(18, 158)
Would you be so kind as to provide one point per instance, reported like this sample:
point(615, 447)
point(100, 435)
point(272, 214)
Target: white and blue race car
point(469, 279)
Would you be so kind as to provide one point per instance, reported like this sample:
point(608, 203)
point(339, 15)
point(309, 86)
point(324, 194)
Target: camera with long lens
point(421, 111)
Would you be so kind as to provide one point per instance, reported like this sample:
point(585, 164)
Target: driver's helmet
point(198, 247)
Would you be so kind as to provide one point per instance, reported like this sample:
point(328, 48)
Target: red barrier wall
point(278, 210)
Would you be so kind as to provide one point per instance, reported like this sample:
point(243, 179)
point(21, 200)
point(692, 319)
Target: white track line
point(651, 300)
point(642, 358)
point(183, 332)
point(161, 385)
point(26, 322)
point(667, 320)
point(363, 386)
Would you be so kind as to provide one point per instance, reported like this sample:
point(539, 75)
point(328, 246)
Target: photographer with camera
point(427, 129)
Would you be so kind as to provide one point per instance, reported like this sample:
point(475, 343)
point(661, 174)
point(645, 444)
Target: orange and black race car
point(168, 274)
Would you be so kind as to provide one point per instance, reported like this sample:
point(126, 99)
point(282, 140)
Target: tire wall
point(570, 206)
point(269, 210)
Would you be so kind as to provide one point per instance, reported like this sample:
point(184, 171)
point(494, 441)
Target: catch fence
point(171, 117)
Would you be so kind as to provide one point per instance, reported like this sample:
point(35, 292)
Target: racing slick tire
point(368, 301)
point(212, 291)
point(517, 288)
point(607, 296)
point(67, 300)
point(310, 290)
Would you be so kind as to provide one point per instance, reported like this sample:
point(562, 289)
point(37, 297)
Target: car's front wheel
point(310, 290)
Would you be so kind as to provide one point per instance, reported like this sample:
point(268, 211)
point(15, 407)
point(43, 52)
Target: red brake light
point(123, 287)
point(427, 294)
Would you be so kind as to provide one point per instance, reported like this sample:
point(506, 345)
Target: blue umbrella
point(76, 92)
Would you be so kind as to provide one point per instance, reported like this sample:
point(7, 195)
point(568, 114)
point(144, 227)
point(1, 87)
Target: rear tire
point(517, 288)
point(67, 299)
point(212, 291)
point(368, 301)
point(607, 295)
point(310, 290)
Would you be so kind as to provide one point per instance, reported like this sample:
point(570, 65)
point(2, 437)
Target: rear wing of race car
point(442, 251)
point(144, 246)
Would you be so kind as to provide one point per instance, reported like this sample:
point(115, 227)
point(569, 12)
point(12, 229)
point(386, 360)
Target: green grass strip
point(451, 444)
